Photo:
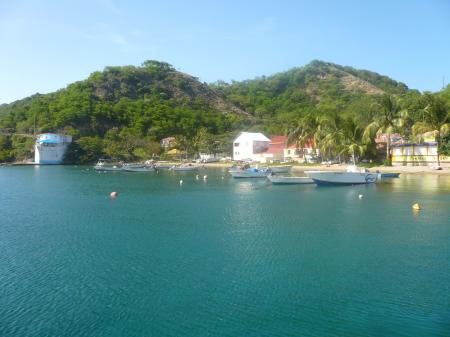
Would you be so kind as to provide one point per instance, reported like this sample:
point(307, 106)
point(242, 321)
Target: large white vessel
point(50, 148)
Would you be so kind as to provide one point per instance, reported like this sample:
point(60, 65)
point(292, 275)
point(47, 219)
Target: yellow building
point(424, 154)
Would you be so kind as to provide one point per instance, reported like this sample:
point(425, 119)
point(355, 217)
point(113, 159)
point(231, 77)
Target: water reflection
point(430, 183)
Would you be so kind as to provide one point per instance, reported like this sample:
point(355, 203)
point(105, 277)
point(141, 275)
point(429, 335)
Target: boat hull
point(390, 175)
point(107, 169)
point(342, 178)
point(139, 169)
point(278, 180)
point(246, 174)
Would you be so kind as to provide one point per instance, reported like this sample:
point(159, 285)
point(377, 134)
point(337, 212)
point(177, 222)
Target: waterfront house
point(305, 154)
point(249, 146)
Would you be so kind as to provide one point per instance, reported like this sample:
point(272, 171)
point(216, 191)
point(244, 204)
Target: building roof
point(279, 140)
point(253, 136)
point(415, 144)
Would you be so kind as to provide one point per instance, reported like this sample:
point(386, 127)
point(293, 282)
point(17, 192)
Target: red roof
point(279, 140)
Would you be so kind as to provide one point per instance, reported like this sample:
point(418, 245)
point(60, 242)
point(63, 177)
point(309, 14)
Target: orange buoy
point(114, 194)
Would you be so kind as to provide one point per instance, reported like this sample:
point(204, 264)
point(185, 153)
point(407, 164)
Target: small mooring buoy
point(114, 194)
point(360, 196)
point(181, 182)
point(416, 207)
point(196, 177)
point(205, 177)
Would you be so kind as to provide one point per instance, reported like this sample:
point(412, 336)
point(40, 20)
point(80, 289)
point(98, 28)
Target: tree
point(436, 119)
point(353, 139)
point(385, 122)
point(305, 131)
point(333, 135)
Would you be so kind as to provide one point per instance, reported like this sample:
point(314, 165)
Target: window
point(289, 151)
point(236, 144)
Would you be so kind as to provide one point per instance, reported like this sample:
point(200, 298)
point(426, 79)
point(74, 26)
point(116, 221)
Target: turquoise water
point(220, 258)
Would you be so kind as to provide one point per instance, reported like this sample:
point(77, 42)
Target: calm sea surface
point(220, 258)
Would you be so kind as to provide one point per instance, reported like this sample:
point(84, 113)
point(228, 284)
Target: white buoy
point(416, 207)
point(181, 182)
point(360, 196)
point(196, 177)
point(114, 194)
point(205, 177)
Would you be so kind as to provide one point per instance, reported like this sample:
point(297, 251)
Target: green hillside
point(124, 112)
point(318, 87)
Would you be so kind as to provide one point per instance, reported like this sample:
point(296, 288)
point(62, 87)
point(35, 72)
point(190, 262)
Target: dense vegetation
point(124, 112)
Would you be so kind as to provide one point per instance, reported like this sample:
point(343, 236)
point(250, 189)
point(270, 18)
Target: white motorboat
point(251, 173)
point(353, 176)
point(281, 168)
point(140, 169)
point(106, 165)
point(288, 180)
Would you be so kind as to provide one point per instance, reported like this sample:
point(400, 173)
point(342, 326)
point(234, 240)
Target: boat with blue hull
point(251, 173)
point(390, 175)
point(353, 176)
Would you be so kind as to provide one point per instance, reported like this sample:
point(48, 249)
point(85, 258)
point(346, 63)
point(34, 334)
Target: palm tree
point(305, 131)
point(388, 118)
point(436, 119)
point(332, 134)
point(353, 139)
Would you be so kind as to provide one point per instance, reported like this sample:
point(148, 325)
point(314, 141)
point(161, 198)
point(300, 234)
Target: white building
point(50, 148)
point(249, 145)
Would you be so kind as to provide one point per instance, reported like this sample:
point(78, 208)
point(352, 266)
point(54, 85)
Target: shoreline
point(302, 168)
point(343, 167)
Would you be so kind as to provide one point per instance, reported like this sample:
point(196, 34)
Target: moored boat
point(106, 165)
point(182, 168)
point(353, 176)
point(288, 180)
point(251, 173)
point(132, 165)
point(390, 175)
point(281, 168)
point(140, 169)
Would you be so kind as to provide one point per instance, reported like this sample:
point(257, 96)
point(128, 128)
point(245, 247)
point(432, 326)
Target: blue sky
point(46, 45)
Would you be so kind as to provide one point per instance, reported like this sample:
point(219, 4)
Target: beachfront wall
point(417, 155)
point(50, 148)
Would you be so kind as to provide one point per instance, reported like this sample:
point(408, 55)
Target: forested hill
point(150, 100)
point(123, 111)
point(317, 87)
